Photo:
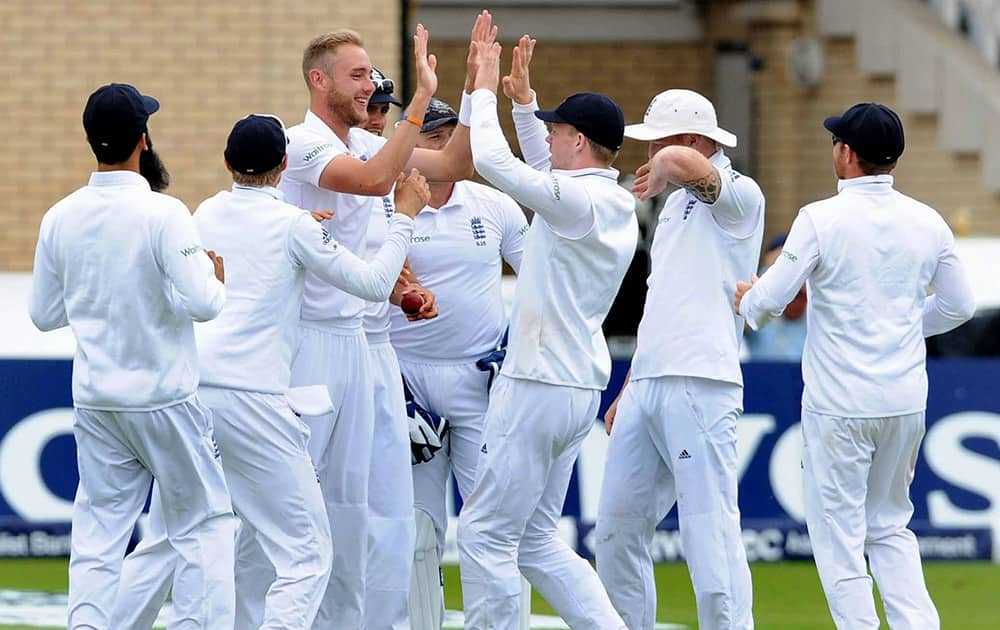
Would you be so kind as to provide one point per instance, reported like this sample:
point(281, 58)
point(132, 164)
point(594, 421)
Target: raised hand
point(412, 193)
point(427, 81)
point(482, 31)
point(488, 65)
point(517, 85)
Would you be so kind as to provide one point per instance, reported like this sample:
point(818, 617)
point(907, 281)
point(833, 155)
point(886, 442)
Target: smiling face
point(377, 113)
point(347, 84)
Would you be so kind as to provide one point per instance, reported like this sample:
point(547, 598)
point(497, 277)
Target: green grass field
point(786, 596)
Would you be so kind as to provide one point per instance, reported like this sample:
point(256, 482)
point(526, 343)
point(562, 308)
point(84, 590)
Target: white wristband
point(465, 110)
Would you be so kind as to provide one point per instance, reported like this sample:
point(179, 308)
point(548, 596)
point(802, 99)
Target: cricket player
point(333, 164)
point(460, 243)
point(544, 401)
point(882, 274)
point(245, 356)
point(674, 422)
point(124, 268)
point(379, 102)
point(391, 533)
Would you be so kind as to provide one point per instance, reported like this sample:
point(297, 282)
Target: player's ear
point(284, 164)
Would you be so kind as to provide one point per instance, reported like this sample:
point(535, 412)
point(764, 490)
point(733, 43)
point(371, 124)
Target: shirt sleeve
point(195, 289)
point(768, 298)
point(308, 156)
point(560, 200)
point(531, 134)
point(515, 230)
point(311, 246)
point(952, 303)
point(48, 308)
point(739, 205)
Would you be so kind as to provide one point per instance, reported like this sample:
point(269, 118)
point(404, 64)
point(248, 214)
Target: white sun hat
point(680, 111)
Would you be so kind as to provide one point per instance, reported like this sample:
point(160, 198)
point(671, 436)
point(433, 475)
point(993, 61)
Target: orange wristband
point(415, 121)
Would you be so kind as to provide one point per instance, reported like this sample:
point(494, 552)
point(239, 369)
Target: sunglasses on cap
point(385, 86)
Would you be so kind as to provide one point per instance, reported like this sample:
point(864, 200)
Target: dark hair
point(871, 168)
point(113, 153)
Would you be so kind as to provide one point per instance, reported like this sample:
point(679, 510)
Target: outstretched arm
point(561, 201)
point(376, 176)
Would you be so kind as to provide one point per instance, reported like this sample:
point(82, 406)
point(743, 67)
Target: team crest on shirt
point(387, 207)
point(478, 231)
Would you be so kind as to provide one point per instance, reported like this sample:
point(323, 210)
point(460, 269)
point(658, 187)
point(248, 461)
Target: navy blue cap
point(256, 144)
point(115, 118)
point(594, 115)
point(438, 114)
point(384, 87)
point(872, 130)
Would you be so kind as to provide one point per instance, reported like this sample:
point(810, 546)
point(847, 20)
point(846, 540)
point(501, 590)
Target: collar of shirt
point(720, 160)
point(315, 123)
point(118, 178)
point(608, 173)
point(270, 191)
point(868, 184)
point(456, 200)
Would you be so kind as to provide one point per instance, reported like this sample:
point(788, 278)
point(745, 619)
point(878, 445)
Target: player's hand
point(429, 309)
point(648, 182)
point(488, 62)
point(426, 65)
point(741, 290)
point(412, 193)
point(517, 85)
point(322, 215)
point(482, 31)
point(220, 268)
point(609, 415)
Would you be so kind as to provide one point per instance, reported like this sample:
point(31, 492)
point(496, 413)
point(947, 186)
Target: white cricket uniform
point(391, 530)
point(871, 255)
point(124, 268)
point(245, 356)
point(546, 397)
point(674, 436)
point(332, 350)
point(457, 251)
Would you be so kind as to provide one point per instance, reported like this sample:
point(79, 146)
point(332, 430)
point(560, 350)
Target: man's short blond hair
point(317, 53)
point(267, 178)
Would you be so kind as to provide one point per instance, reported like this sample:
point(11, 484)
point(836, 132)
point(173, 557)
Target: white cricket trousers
point(118, 455)
point(336, 355)
point(275, 493)
point(391, 528)
point(857, 474)
point(674, 440)
point(456, 391)
point(533, 432)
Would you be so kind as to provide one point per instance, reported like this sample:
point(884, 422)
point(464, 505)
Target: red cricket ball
point(411, 303)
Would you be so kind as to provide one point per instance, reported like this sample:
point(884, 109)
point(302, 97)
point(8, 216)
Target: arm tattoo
point(705, 189)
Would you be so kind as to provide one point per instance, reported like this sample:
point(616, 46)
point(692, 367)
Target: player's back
point(113, 244)
point(249, 346)
point(878, 252)
point(565, 289)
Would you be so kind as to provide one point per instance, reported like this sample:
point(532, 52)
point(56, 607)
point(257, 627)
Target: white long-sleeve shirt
point(870, 255)
point(269, 246)
point(579, 246)
point(123, 266)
